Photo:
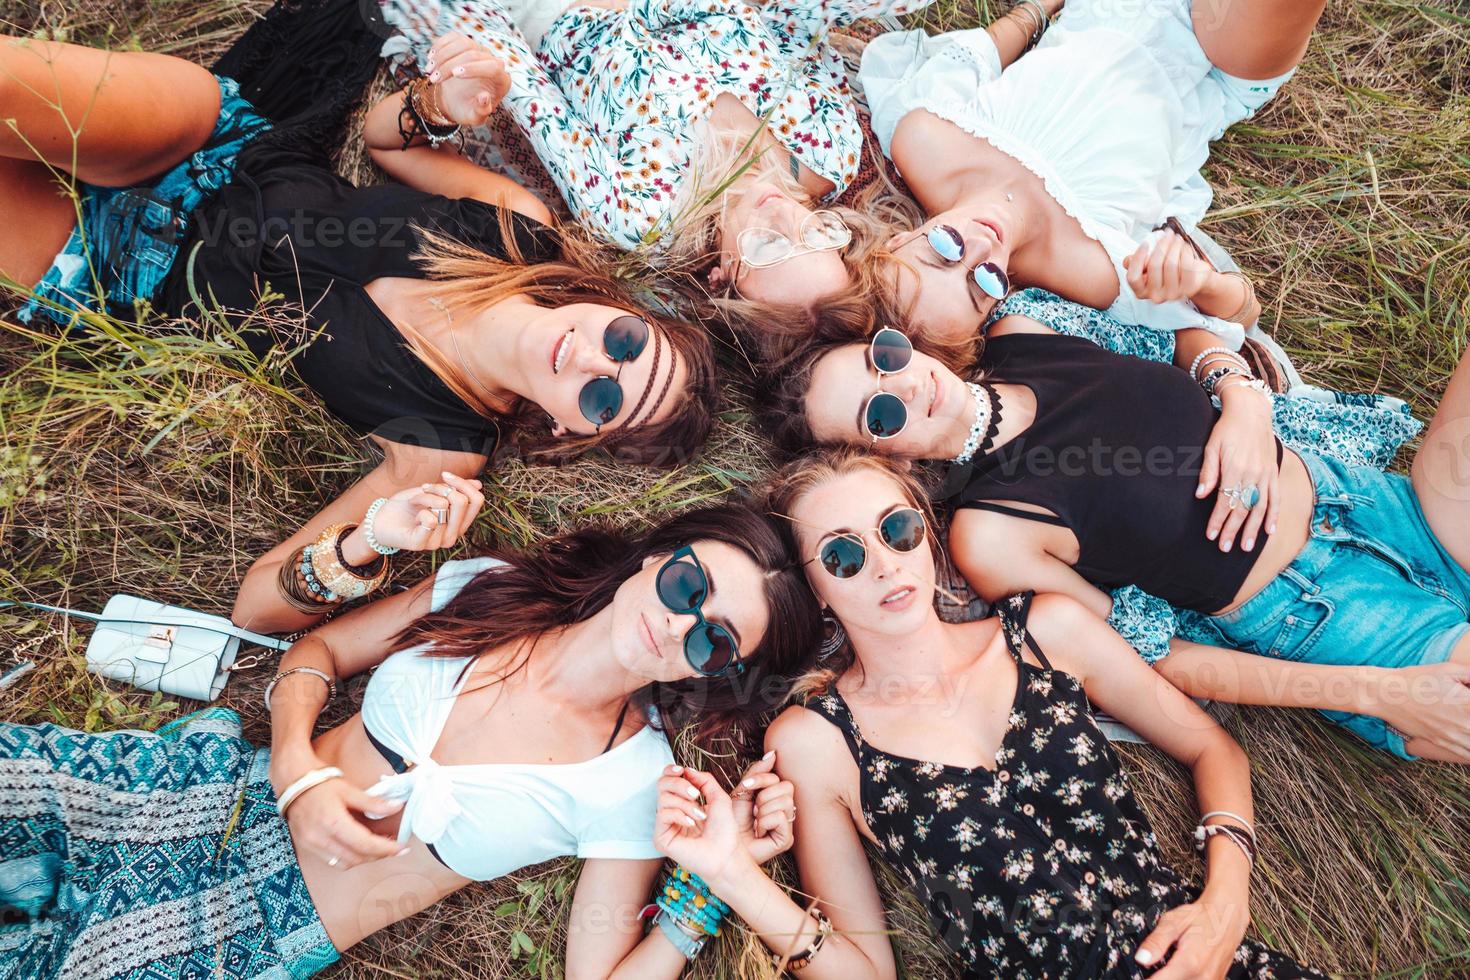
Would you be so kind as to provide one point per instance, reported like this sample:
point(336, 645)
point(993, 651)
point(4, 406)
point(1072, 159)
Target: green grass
point(162, 465)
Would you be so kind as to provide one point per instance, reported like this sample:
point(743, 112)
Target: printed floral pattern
point(613, 101)
point(1044, 867)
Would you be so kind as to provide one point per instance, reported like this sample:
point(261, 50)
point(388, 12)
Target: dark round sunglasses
point(682, 586)
point(602, 397)
point(885, 414)
point(949, 244)
point(901, 530)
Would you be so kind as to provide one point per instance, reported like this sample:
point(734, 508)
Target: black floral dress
point(1044, 867)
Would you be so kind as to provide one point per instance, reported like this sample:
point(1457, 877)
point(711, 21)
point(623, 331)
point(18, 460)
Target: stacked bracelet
point(270, 688)
point(307, 781)
point(1246, 301)
point(369, 524)
point(330, 571)
point(1244, 836)
point(436, 130)
point(689, 900)
point(681, 936)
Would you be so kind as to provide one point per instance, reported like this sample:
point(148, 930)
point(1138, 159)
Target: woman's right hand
point(468, 81)
point(323, 821)
point(1429, 702)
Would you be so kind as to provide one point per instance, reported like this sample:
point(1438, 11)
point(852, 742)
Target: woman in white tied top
point(1057, 165)
point(517, 713)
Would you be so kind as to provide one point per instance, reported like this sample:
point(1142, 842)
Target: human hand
point(1198, 940)
point(1166, 270)
point(323, 823)
point(467, 82)
point(765, 810)
point(411, 519)
point(1241, 454)
point(696, 824)
point(1430, 702)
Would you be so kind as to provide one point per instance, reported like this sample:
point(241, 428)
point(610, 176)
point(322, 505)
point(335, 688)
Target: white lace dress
point(1114, 110)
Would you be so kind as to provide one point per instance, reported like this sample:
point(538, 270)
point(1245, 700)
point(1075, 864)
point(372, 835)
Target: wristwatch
point(682, 941)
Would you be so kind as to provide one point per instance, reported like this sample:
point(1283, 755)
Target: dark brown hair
point(466, 278)
point(570, 578)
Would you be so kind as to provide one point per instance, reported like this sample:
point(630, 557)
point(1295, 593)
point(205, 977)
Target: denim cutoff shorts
point(1373, 586)
point(127, 238)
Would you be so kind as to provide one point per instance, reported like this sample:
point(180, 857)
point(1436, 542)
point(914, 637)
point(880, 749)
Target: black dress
point(287, 225)
point(1045, 867)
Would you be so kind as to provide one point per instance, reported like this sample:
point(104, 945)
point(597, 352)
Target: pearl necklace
point(981, 429)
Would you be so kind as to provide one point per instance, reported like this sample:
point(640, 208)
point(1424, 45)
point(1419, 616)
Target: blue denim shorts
point(128, 237)
point(1373, 586)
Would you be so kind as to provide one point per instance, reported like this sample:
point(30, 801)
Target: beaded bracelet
point(686, 897)
point(330, 571)
point(1200, 357)
point(369, 525)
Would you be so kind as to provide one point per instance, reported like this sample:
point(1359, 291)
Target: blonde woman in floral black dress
point(1019, 833)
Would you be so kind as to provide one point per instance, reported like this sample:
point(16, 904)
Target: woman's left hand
point(1195, 941)
point(468, 81)
point(695, 825)
point(1168, 270)
point(1240, 455)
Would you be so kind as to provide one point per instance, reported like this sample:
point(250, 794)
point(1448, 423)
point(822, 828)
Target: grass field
point(162, 465)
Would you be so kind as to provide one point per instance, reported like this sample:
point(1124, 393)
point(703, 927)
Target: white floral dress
point(1045, 866)
point(612, 101)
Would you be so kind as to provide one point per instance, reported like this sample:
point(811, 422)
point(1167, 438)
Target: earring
point(834, 637)
point(1010, 196)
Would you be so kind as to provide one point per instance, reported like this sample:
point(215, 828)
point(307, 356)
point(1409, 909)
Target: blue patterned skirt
point(149, 855)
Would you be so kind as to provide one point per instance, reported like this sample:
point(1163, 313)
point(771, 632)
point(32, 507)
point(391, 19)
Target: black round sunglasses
point(602, 397)
point(683, 586)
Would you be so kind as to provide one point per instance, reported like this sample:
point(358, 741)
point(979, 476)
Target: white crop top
point(487, 820)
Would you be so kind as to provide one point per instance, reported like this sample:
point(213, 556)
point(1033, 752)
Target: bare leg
point(1255, 39)
point(39, 216)
point(109, 118)
point(1442, 467)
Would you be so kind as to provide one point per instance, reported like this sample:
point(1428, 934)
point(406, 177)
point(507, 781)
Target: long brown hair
point(784, 490)
point(465, 278)
point(505, 610)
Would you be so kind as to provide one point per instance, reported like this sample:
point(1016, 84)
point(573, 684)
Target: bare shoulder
point(1016, 323)
point(1067, 631)
point(808, 747)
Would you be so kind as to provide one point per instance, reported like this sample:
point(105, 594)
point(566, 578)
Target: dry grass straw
point(163, 464)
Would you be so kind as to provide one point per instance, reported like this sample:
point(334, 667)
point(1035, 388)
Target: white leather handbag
point(164, 648)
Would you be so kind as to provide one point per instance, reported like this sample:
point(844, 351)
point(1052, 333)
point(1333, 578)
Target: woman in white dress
point(1055, 169)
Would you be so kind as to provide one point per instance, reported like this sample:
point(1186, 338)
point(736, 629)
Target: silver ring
point(441, 515)
point(1247, 496)
point(440, 491)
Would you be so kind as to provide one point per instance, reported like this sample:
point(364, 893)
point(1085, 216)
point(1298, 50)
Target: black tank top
point(324, 240)
point(1115, 452)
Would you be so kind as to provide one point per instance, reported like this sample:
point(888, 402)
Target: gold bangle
point(1245, 302)
point(330, 571)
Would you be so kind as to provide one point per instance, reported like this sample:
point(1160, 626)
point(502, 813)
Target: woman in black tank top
point(431, 315)
point(969, 757)
point(1084, 471)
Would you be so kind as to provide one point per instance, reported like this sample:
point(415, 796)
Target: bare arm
point(1012, 32)
point(260, 606)
point(467, 98)
point(1000, 556)
point(605, 938)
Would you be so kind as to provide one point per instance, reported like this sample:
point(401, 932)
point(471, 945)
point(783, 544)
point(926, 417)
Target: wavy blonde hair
point(775, 332)
point(465, 278)
point(784, 490)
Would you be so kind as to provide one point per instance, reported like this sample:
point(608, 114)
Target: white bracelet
point(367, 528)
point(269, 688)
point(1255, 384)
point(1195, 364)
point(309, 780)
point(1248, 827)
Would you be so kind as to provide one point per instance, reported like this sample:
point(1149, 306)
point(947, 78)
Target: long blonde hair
point(785, 488)
point(465, 279)
point(880, 211)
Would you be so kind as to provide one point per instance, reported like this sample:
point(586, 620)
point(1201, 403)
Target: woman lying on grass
point(426, 314)
point(495, 733)
point(712, 132)
point(1348, 590)
point(1052, 167)
point(1002, 805)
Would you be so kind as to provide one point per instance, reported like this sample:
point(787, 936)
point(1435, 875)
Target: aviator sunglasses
point(821, 231)
point(884, 413)
point(602, 397)
point(844, 554)
point(949, 244)
point(682, 586)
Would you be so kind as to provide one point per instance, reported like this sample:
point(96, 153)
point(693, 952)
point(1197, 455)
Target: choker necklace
point(985, 425)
